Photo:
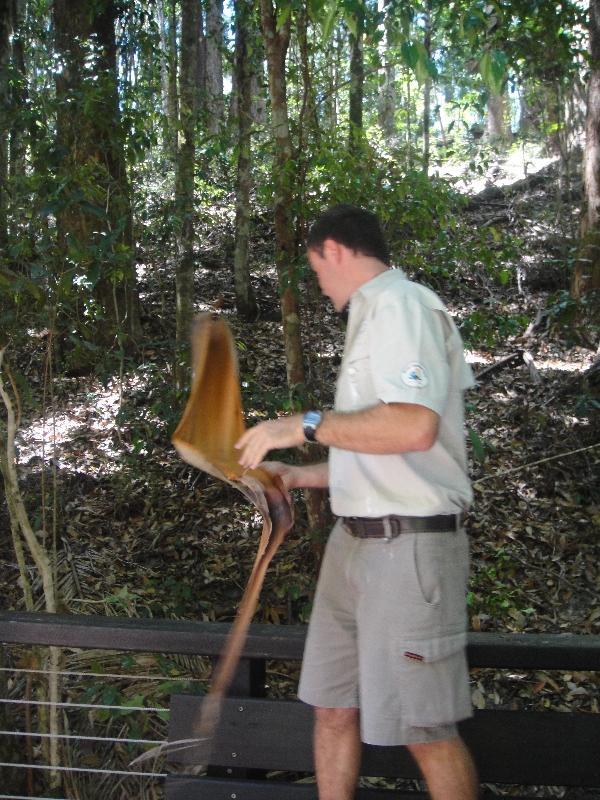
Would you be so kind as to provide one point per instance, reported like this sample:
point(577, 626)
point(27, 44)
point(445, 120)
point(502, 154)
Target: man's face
point(327, 269)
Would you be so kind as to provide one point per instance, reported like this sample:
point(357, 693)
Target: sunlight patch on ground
point(559, 364)
point(41, 437)
point(91, 423)
point(474, 357)
point(517, 164)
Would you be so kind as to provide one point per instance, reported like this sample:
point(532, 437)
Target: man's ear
point(333, 250)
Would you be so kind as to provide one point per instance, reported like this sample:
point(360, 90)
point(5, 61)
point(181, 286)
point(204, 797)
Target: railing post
point(248, 681)
point(249, 678)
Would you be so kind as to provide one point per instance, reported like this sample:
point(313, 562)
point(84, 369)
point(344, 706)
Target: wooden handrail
point(285, 642)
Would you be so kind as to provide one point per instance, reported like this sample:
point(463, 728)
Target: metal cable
point(102, 675)
point(79, 705)
point(29, 797)
point(83, 769)
point(79, 738)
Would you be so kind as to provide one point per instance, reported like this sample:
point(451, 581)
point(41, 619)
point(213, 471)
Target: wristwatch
point(310, 422)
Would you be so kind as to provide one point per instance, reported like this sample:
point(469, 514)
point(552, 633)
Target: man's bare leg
point(337, 752)
point(448, 769)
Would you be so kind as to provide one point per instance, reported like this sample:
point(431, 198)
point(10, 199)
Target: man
point(385, 654)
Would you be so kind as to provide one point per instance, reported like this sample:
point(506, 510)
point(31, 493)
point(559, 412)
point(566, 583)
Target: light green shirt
point(402, 347)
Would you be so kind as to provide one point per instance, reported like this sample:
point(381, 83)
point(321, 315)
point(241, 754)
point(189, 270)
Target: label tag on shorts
point(413, 656)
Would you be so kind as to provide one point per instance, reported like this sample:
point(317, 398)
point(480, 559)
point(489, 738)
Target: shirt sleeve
point(407, 349)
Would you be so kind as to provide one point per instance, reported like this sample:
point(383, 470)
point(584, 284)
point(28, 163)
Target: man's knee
point(336, 718)
point(426, 751)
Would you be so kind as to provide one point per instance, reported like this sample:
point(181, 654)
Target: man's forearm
point(308, 476)
point(384, 428)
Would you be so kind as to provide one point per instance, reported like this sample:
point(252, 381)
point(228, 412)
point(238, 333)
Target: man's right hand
point(294, 476)
point(283, 471)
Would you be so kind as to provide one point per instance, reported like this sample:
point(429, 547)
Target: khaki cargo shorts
point(387, 635)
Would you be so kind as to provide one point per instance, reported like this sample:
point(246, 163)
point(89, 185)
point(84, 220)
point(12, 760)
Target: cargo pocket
point(435, 681)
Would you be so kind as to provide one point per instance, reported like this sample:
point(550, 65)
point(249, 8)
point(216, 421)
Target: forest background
point(163, 158)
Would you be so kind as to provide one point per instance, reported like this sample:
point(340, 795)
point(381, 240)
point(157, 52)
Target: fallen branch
point(521, 356)
point(529, 363)
point(514, 358)
point(498, 365)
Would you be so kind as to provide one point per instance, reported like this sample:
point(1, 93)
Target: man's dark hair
point(353, 227)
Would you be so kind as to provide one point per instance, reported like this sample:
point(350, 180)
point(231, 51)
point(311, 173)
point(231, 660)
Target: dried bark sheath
point(211, 424)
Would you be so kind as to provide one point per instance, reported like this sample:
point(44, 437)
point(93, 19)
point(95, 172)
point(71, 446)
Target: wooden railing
point(520, 747)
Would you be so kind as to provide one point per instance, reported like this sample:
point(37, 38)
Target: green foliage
point(416, 57)
point(421, 214)
point(492, 66)
point(487, 327)
point(494, 592)
point(578, 320)
point(477, 445)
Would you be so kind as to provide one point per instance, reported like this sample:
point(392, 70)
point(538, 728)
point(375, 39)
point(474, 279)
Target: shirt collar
point(379, 282)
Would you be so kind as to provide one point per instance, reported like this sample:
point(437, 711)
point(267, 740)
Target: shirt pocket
point(355, 384)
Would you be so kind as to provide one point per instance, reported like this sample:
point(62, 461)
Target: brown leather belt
point(392, 526)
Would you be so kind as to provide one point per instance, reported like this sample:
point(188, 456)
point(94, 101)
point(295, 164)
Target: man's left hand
point(273, 434)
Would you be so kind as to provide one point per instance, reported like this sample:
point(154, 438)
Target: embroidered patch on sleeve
point(415, 376)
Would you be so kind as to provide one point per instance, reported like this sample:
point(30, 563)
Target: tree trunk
point(94, 219)
point(408, 121)
point(526, 113)
point(164, 56)
point(308, 128)
point(308, 122)
point(173, 113)
point(427, 92)
point(496, 122)
point(276, 45)
point(121, 296)
point(214, 65)
point(586, 271)
point(5, 53)
point(259, 103)
point(23, 531)
point(357, 79)
point(552, 117)
point(330, 111)
point(167, 24)
point(201, 73)
point(20, 92)
point(258, 106)
point(387, 93)
point(184, 183)
point(245, 301)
